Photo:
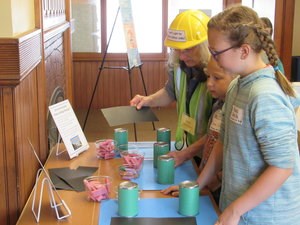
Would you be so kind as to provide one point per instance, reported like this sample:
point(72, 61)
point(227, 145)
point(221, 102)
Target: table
point(83, 211)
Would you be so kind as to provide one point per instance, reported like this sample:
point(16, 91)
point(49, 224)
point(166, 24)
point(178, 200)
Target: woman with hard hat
point(187, 38)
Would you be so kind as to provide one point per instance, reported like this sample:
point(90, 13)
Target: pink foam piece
point(96, 190)
point(105, 149)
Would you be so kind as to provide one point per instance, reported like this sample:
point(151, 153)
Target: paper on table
point(68, 179)
point(128, 114)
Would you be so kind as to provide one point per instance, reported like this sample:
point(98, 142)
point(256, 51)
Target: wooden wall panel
point(113, 88)
point(18, 56)
point(283, 32)
point(54, 64)
point(9, 196)
point(26, 114)
point(24, 102)
point(21, 117)
point(227, 3)
point(4, 216)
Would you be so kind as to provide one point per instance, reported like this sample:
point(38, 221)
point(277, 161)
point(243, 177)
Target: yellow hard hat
point(188, 29)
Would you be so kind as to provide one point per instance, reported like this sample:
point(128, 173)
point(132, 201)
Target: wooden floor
point(98, 128)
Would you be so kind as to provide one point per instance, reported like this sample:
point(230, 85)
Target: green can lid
point(128, 185)
point(165, 158)
point(161, 144)
point(163, 129)
point(188, 184)
point(117, 130)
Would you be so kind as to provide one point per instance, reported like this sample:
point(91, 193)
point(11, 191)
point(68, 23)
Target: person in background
point(217, 82)
point(257, 147)
point(269, 28)
point(187, 39)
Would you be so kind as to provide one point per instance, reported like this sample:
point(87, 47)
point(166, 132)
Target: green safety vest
point(200, 100)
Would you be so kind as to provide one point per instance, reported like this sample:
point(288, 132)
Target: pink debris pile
point(133, 160)
point(105, 149)
point(128, 173)
point(96, 189)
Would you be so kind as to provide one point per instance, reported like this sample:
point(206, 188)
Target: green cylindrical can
point(164, 135)
point(159, 148)
point(121, 136)
point(165, 169)
point(188, 198)
point(128, 195)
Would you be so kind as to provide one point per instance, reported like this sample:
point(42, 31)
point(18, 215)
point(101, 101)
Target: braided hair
point(242, 25)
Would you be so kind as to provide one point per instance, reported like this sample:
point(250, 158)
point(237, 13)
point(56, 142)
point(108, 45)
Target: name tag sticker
point(216, 121)
point(176, 35)
point(188, 124)
point(237, 115)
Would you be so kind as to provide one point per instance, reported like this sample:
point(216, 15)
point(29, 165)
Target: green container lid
point(128, 185)
point(188, 184)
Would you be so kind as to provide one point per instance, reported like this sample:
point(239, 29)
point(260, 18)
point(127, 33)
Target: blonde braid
point(269, 47)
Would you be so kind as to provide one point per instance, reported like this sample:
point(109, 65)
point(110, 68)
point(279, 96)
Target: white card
point(69, 128)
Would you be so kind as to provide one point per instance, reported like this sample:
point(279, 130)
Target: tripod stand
point(127, 68)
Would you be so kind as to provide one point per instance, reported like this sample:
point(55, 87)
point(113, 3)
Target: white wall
point(16, 17)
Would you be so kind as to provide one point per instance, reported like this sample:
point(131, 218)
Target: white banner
point(129, 33)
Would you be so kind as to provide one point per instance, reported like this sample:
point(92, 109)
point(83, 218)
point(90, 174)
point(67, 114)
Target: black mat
point(121, 115)
point(153, 221)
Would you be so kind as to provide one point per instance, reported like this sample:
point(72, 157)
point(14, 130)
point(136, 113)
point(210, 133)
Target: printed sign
point(69, 128)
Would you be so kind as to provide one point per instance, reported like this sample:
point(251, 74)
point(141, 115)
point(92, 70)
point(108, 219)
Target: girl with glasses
point(257, 149)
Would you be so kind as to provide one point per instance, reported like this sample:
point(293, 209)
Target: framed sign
point(69, 128)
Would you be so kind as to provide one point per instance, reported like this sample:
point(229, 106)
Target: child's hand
point(179, 158)
point(229, 217)
point(172, 190)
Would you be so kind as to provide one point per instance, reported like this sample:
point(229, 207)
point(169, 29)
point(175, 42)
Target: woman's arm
point(159, 98)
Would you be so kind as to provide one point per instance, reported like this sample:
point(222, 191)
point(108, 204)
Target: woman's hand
point(139, 101)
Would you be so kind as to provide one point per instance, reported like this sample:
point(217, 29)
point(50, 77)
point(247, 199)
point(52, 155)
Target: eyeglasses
point(216, 53)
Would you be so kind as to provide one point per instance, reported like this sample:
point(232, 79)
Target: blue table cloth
point(159, 208)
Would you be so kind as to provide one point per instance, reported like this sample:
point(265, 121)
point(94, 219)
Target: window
point(211, 7)
point(147, 17)
point(261, 6)
point(87, 35)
